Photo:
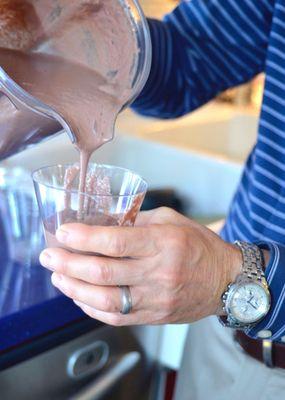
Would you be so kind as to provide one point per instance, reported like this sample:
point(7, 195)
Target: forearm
point(178, 82)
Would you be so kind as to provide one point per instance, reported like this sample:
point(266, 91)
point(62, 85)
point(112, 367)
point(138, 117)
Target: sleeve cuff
point(273, 325)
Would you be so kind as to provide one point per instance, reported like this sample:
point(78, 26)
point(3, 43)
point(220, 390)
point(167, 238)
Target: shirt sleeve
point(202, 48)
point(274, 322)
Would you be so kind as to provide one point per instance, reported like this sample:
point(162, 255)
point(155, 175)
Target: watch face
point(249, 302)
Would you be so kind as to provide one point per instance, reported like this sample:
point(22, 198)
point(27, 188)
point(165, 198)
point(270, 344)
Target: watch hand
point(252, 305)
point(249, 301)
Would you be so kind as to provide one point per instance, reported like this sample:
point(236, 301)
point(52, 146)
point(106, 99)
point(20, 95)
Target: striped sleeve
point(202, 48)
point(275, 275)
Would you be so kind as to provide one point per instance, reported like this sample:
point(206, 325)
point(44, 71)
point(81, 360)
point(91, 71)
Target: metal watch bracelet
point(253, 261)
point(252, 269)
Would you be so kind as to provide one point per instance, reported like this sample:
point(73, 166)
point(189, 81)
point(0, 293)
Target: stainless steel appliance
point(106, 363)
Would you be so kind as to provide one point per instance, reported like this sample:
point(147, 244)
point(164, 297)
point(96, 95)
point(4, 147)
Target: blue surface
point(29, 305)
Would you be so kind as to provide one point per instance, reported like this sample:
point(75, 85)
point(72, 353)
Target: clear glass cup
point(113, 197)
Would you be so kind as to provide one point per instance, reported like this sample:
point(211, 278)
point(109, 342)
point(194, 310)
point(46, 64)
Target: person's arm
point(202, 48)
point(274, 322)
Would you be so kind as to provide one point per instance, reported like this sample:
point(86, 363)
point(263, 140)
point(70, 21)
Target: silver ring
point(126, 300)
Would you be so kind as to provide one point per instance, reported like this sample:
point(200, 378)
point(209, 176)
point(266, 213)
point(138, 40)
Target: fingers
point(96, 270)
point(106, 299)
point(109, 241)
point(115, 319)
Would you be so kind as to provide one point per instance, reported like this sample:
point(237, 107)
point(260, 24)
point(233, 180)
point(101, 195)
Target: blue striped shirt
point(202, 48)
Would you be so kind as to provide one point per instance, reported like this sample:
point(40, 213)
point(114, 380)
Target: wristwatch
point(247, 300)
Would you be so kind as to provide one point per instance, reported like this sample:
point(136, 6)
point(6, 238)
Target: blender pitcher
point(71, 30)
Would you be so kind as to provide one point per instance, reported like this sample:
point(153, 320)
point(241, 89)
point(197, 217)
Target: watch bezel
point(231, 292)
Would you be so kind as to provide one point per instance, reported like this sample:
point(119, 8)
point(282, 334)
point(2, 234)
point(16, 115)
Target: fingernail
point(62, 235)
point(56, 279)
point(45, 258)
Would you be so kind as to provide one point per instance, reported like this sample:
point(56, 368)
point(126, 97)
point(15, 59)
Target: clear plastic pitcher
point(60, 28)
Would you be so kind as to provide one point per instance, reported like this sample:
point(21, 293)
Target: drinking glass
point(112, 197)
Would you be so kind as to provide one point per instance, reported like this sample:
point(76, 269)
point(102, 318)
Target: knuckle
point(60, 262)
point(64, 264)
point(166, 211)
point(85, 236)
point(104, 272)
point(107, 303)
point(118, 246)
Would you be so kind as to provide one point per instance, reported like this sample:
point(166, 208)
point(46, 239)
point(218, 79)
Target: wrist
point(233, 270)
point(246, 299)
point(236, 264)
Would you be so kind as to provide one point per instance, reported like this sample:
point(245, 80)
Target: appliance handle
point(101, 386)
